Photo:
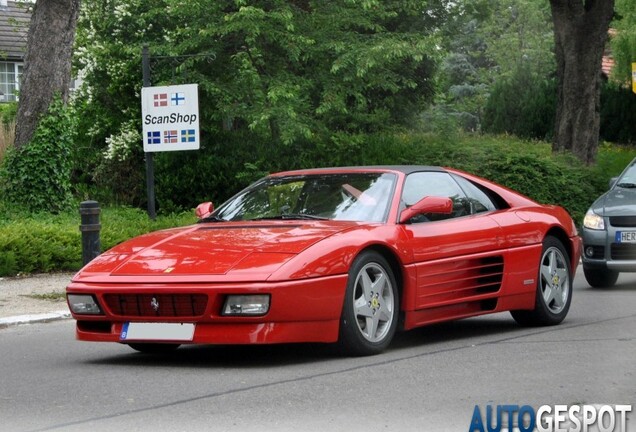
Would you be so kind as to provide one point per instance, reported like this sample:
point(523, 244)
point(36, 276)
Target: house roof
point(14, 22)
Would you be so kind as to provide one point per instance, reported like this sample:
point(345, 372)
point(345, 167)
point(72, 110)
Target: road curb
point(34, 318)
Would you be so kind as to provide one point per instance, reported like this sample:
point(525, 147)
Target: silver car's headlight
point(593, 221)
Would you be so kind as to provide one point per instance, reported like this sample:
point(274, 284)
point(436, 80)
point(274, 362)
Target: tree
point(294, 70)
point(490, 43)
point(47, 62)
point(580, 34)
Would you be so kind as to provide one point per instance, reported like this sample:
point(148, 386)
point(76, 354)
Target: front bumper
point(601, 251)
point(300, 311)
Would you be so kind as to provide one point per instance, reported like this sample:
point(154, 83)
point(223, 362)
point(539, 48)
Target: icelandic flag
point(187, 135)
point(177, 99)
point(160, 99)
point(154, 137)
point(169, 136)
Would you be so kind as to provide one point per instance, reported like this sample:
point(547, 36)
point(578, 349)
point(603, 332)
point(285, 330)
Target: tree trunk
point(47, 62)
point(580, 33)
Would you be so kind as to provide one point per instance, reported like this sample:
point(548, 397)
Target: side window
point(479, 201)
point(421, 184)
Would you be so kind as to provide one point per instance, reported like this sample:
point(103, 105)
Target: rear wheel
point(554, 287)
point(370, 311)
point(600, 278)
point(154, 348)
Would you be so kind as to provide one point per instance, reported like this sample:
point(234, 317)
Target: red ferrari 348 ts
point(346, 255)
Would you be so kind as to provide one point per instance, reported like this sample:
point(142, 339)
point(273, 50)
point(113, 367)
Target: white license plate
point(626, 237)
point(157, 331)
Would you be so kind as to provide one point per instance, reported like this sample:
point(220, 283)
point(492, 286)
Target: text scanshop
point(170, 118)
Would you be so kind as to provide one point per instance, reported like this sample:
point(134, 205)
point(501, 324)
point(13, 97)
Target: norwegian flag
point(170, 136)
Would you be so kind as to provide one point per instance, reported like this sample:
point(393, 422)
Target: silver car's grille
point(623, 251)
point(623, 221)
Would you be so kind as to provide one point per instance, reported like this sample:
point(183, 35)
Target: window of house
point(10, 74)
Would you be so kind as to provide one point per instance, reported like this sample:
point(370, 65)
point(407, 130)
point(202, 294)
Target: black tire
point(370, 311)
point(600, 278)
point(554, 287)
point(154, 348)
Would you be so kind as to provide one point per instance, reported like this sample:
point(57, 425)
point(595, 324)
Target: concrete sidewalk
point(34, 298)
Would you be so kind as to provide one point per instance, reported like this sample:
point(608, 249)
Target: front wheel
point(370, 311)
point(554, 287)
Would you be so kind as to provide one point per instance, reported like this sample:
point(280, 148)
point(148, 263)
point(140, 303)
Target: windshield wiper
point(627, 185)
point(211, 218)
point(291, 216)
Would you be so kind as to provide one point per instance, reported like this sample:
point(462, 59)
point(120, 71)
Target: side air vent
point(461, 280)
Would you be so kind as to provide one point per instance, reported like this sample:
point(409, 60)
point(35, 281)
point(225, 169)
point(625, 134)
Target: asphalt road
point(430, 379)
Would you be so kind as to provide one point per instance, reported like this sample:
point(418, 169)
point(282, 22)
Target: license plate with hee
point(626, 237)
point(148, 331)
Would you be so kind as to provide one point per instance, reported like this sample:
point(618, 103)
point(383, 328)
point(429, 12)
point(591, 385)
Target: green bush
point(523, 105)
point(41, 242)
point(38, 175)
point(44, 242)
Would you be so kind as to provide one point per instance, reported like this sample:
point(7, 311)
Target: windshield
point(628, 178)
point(362, 197)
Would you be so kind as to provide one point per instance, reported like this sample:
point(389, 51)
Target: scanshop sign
point(170, 118)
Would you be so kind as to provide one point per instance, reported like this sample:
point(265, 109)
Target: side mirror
point(428, 204)
point(204, 210)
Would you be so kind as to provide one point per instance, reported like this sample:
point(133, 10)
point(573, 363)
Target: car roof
point(406, 169)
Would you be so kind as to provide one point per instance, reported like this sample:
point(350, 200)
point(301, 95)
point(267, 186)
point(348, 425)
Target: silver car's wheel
point(370, 310)
point(554, 287)
point(599, 277)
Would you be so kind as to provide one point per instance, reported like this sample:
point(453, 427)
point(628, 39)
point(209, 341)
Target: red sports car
point(346, 255)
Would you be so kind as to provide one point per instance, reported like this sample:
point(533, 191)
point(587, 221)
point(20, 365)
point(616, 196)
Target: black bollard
point(90, 227)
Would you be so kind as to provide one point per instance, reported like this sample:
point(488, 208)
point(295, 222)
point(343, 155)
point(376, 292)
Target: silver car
point(609, 231)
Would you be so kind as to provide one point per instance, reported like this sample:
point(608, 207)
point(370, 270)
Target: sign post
point(150, 166)
point(170, 118)
point(634, 77)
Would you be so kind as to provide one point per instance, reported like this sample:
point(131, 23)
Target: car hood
point(616, 202)
point(239, 251)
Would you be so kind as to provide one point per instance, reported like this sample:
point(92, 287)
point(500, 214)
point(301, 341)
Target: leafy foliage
point(276, 73)
point(292, 70)
point(624, 42)
point(37, 176)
